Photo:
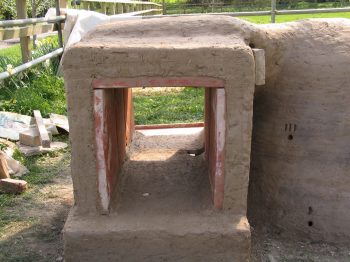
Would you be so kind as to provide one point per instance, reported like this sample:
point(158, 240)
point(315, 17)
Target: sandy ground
point(39, 238)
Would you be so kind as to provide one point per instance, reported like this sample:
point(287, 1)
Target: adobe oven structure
point(267, 137)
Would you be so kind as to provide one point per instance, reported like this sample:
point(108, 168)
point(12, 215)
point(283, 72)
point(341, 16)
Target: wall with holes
point(300, 165)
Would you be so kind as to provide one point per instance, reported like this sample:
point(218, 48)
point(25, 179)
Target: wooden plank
point(104, 8)
point(101, 142)
point(12, 186)
point(273, 11)
point(259, 57)
point(22, 14)
point(215, 140)
point(30, 21)
point(120, 8)
point(20, 32)
point(207, 117)
point(59, 25)
point(164, 126)
point(159, 81)
point(44, 136)
point(127, 115)
point(34, 15)
point(123, 2)
point(63, 4)
point(220, 134)
point(121, 128)
point(4, 169)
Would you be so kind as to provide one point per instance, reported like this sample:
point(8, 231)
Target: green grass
point(182, 106)
point(290, 18)
point(36, 88)
point(13, 52)
point(179, 7)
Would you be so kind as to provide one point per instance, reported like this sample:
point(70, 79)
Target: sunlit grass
point(174, 106)
point(289, 18)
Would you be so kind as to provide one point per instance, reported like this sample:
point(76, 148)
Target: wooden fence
point(23, 28)
point(112, 7)
point(221, 8)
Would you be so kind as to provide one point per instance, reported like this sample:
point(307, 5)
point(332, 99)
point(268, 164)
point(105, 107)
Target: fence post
point(63, 4)
point(22, 14)
point(164, 7)
point(34, 16)
point(120, 9)
point(273, 11)
point(59, 25)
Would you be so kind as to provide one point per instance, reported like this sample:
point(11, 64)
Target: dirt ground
point(35, 220)
point(39, 237)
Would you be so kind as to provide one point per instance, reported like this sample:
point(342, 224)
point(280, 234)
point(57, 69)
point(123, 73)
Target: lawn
point(289, 18)
point(171, 105)
point(13, 52)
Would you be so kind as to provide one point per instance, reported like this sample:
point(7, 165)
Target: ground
point(31, 224)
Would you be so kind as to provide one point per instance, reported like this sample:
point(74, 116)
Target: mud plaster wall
point(300, 144)
point(300, 162)
point(174, 47)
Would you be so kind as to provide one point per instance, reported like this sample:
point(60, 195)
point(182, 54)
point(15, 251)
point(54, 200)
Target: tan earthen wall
point(200, 50)
point(300, 152)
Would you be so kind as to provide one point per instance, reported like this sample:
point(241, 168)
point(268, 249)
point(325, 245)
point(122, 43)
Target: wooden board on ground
point(44, 136)
point(38, 150)
point(13, 186)
point(4, 169)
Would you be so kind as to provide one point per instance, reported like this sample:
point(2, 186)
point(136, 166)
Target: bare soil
point(33, 232)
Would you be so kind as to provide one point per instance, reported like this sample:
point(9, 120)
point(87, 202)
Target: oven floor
point(163, 175)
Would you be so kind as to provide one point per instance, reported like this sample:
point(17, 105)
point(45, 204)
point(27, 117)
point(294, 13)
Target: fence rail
point(119, 6)
point(30, 21)
point(276, 12)
point(32, 63)
point(271, 8)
